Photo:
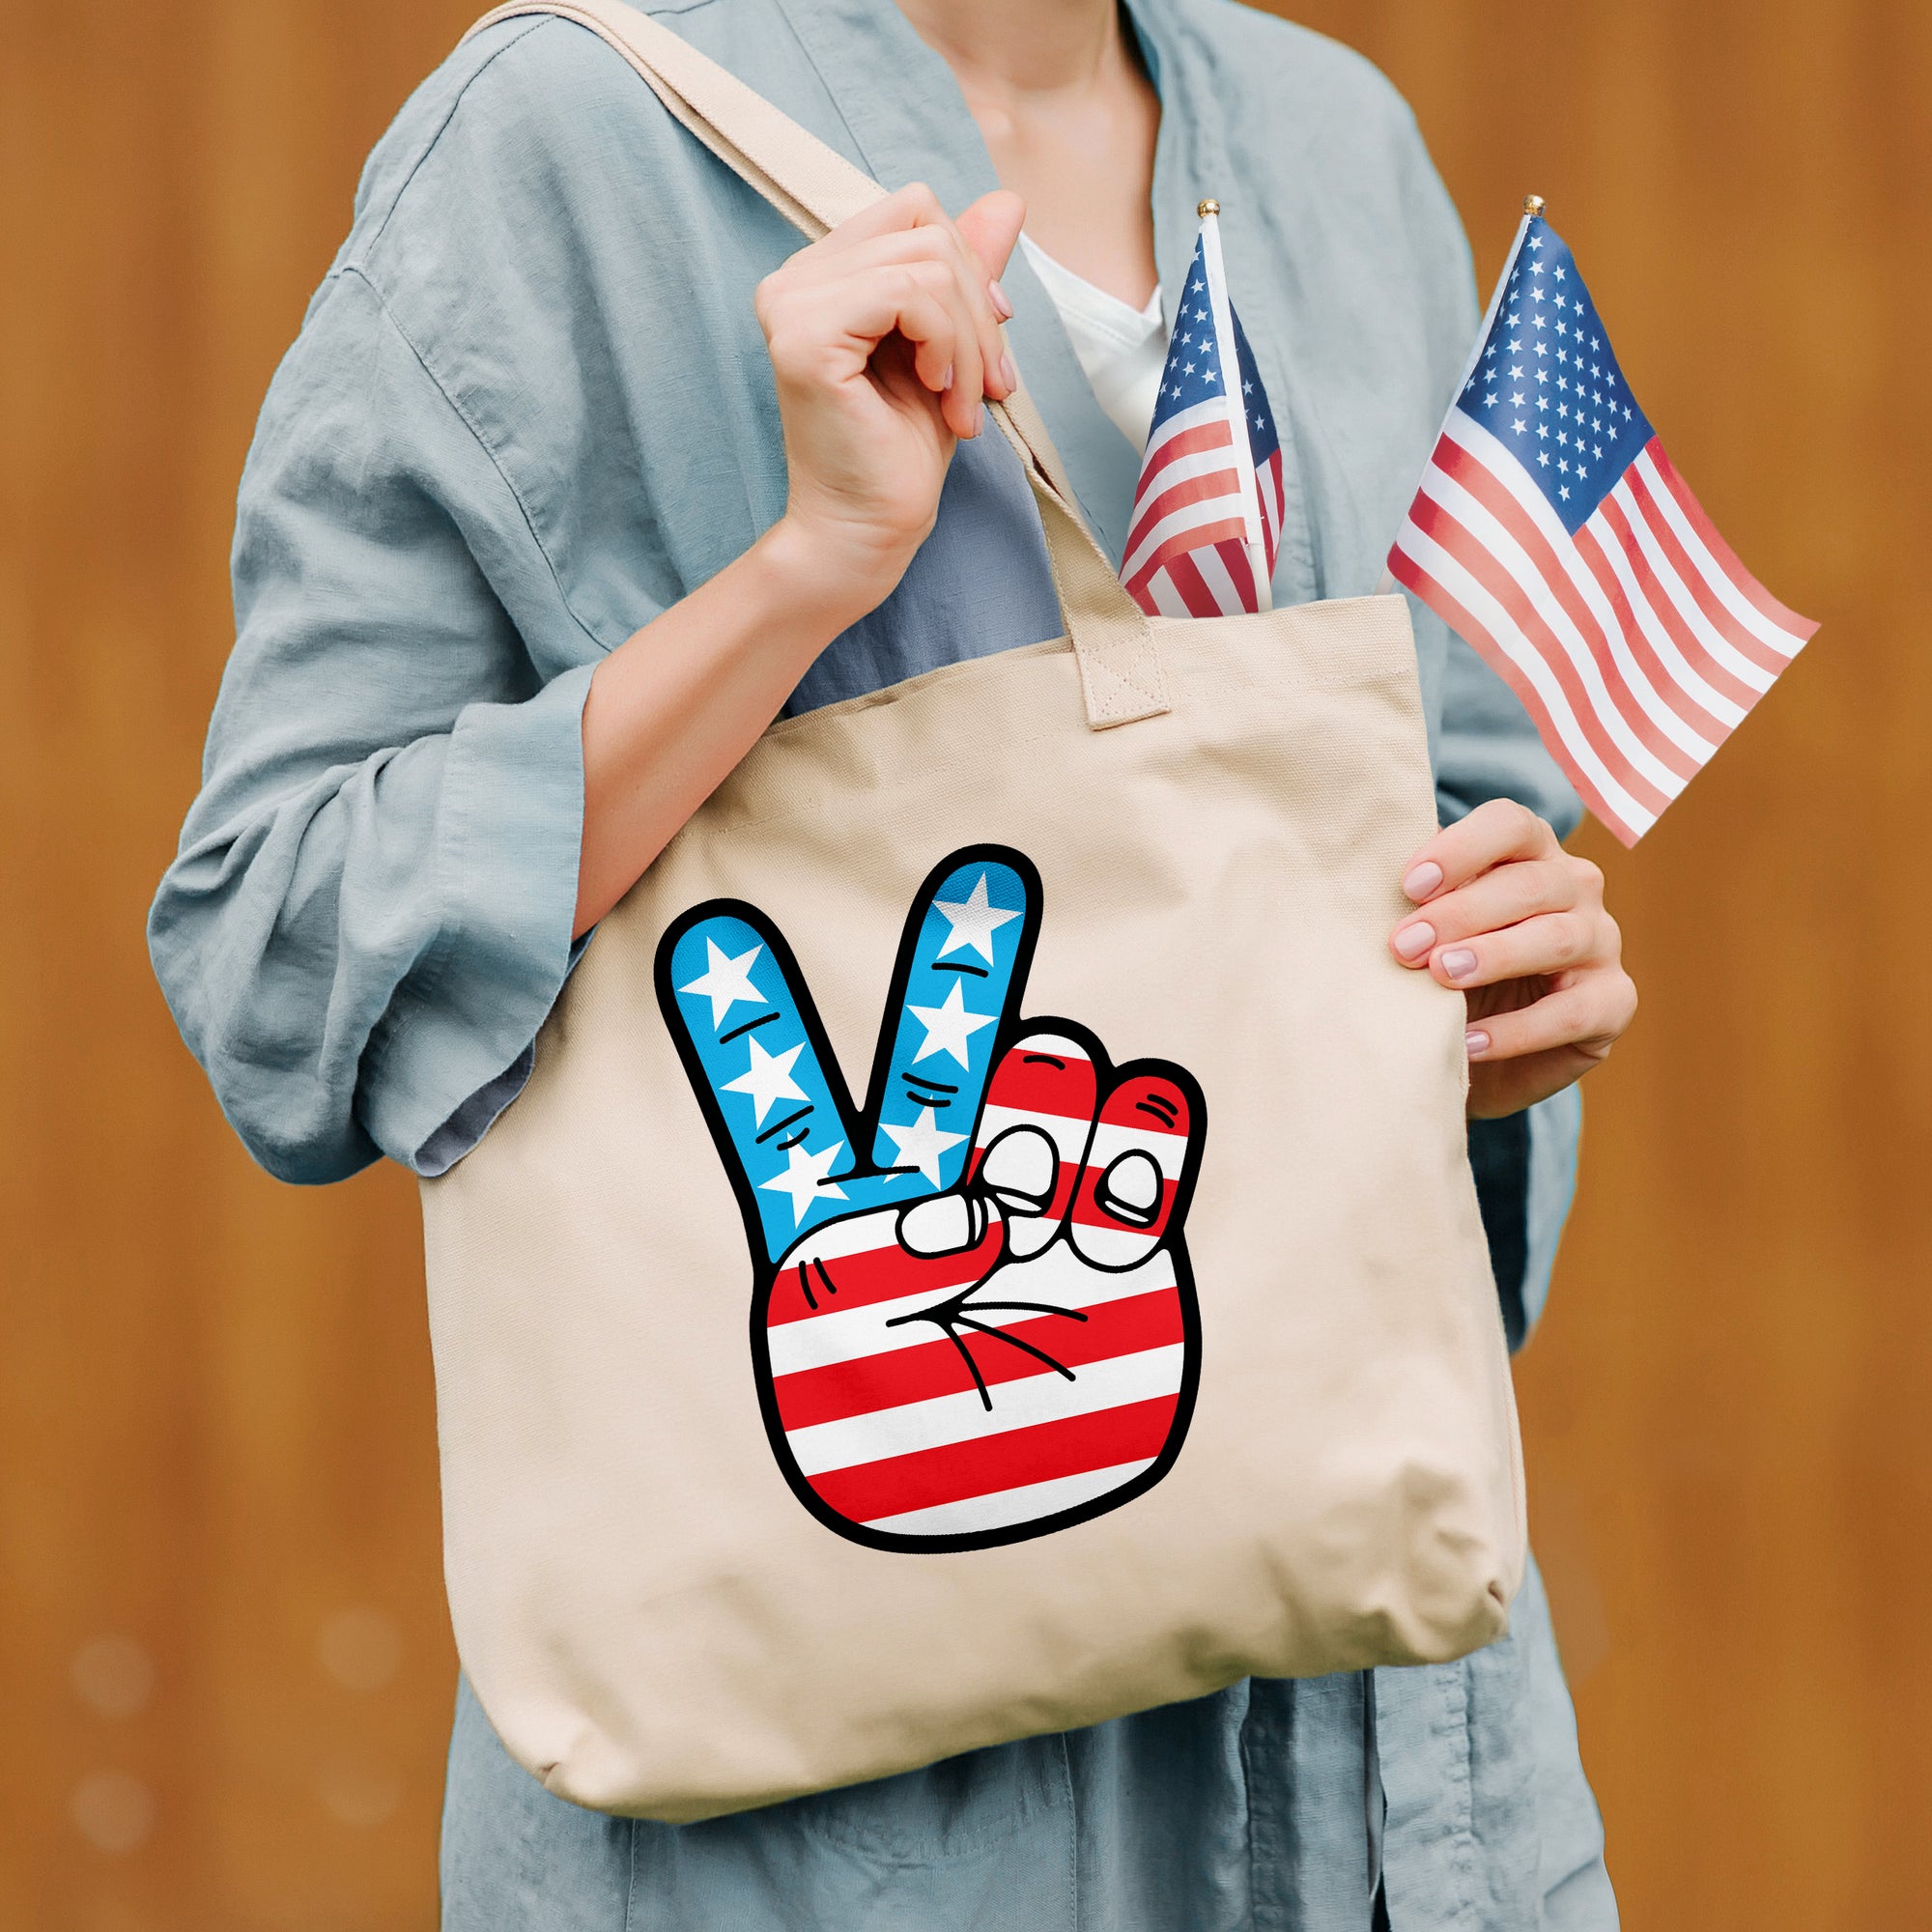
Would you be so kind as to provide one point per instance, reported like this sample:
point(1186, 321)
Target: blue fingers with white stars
point(958, 987)
point(776, 1101)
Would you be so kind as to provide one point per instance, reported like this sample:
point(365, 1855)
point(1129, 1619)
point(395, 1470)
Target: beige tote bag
point(1130, 1331)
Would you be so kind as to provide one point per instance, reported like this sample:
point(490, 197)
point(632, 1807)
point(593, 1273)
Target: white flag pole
point(1532, 207)
point(1223, 309)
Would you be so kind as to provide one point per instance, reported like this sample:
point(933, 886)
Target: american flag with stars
point(1554, 534)
point(1207, 516)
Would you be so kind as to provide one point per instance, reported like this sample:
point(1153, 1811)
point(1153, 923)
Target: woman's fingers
point(910, 229)
point(1585, 1015)
point(1496, 833)
point(1550, 944)
point(828, 333)
point(1504, 897)
point(991, 228)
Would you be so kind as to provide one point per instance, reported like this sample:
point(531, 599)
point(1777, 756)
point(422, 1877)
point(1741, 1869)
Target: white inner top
point(1122, 348)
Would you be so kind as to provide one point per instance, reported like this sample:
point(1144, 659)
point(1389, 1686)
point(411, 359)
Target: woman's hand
point(1519, 925)
point(884, 338)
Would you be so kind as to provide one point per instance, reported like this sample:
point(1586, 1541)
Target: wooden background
point(225, 1671)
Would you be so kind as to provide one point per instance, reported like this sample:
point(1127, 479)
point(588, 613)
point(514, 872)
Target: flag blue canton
point(1547, 385)
point(1263, 438)
point(1193, 371)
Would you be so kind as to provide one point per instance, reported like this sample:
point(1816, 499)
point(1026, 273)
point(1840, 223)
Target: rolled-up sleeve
point(370, 914)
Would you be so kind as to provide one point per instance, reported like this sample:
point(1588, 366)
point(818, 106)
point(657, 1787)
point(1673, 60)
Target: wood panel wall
point(225, 1669)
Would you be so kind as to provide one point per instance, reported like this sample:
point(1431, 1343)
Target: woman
point(579, 472)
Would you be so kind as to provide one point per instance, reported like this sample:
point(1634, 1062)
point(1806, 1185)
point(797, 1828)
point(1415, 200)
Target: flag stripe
point(916, 1426)
point(1049, 1450)
point(1596, 684)
point(1178, 542)
point(1630, 558)
point(1650, 500)
point(1787, 631)
point(1057, 1278)
point(1185, 577)
point(1707, 712)
point(1601, 546)
point(934, 1366)
point(1690, 621)
point(1227, 572)
point(1592, 716)
point(1420, 562)
point(1029, 1502)
point(1493, 477)
point(1158, 598)
point(1180, 507)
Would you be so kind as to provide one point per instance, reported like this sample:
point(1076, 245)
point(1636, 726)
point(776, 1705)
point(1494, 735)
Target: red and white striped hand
point(989, 1333)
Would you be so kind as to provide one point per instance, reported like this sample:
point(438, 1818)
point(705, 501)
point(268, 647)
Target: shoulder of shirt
point(532, 85)
point(1268, 62)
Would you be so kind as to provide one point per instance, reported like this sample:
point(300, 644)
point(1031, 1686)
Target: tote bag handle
point(815, 188)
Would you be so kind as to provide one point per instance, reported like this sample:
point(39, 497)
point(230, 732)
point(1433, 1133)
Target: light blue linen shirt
point(529, 409)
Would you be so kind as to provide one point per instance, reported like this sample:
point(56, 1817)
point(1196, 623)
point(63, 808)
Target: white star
point(727, 981)
point(921, 1143)
point(804, 1178)
point(950, 1027)
point(1564, 493)
point(1543, 457)
point(974, 920)
point(768, 1078)
point(1522, 427)
point(1561, 272)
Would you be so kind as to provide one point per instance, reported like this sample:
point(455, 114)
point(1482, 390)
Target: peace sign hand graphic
point(973, 1320)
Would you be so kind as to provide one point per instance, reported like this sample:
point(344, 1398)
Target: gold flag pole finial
point(1208, 206)
point(1532, 205)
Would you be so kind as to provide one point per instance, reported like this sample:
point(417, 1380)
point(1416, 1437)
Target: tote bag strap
point(815, 188)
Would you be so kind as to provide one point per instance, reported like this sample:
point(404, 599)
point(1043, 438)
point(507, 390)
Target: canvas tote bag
point(1129, 1330)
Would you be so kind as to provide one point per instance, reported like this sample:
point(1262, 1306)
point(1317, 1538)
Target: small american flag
point(1555, 536)
point(1207, 517)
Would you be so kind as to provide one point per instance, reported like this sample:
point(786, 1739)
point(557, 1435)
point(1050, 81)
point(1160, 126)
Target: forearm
point(673, 708)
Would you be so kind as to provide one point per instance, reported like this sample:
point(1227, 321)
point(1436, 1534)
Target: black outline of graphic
point(865, 1121)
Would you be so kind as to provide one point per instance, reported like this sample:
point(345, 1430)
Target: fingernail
point(1458, 963)
point(1423, 881)
point(978, 417)
point(946, 381)
point(1009, 375)
point(997, 296)
point(1413, 941)
point(1477, 1041)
